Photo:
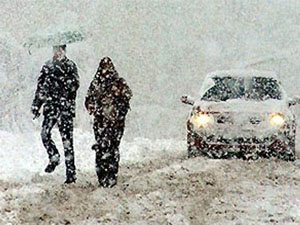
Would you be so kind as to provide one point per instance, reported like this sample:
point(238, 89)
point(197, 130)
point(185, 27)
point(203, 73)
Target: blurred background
point(163, 48)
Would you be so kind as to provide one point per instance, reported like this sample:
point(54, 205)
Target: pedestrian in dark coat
point(108, 101)
point(56, 92)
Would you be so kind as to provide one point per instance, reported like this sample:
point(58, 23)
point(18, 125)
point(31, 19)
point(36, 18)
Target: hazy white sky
point(163, 48)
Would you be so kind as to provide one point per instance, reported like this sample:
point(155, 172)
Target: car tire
point(290, 152)
point(284, 149)
point(196, 147)
point(192, 145)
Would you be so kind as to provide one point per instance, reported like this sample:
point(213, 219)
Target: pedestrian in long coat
point(108, 101)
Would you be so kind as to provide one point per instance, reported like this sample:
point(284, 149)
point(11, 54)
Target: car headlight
point(277, 119)
point(200, 120)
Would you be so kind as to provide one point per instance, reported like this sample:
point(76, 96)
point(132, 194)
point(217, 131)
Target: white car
point(243, 114)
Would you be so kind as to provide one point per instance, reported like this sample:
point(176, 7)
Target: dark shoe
point(51, 166)
point(71, 179)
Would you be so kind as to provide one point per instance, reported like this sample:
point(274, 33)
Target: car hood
point(242, 106)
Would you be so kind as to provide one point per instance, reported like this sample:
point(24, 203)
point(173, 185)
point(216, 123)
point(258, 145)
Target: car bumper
point(240, 147)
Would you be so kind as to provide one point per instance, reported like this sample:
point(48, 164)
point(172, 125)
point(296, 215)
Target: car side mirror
point(187, 100)
point(294, 101)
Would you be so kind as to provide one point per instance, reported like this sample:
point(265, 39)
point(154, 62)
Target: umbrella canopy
point(54, 39)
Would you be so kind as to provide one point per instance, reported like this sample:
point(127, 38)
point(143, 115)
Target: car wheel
point(195, 147)
point(290, 152)
point(284, 149)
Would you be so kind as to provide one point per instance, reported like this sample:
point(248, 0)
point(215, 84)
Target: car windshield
point(252, 89)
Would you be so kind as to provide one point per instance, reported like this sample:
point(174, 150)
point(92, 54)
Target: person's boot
point(107, 182)
point(106, 177)
point(53, 163)
point(71, 179)
point(71, 176)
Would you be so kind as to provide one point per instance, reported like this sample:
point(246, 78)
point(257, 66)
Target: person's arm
point(122, 95)
point(127, 92)
point(71, 80)
point(90, 99)
point(123, 90)
point(40, 93)
point(75, 79)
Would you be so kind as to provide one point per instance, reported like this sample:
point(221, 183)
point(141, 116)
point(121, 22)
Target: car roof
point(242, 73)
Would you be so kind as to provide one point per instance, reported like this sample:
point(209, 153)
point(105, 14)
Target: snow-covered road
point(157, 185)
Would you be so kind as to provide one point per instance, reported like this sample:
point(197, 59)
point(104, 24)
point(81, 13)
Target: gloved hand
point(91, 109)
point(35, 112)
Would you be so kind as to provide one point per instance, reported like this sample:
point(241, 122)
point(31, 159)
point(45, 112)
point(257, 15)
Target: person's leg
point(116, 137)
point(108, 156)
point(53, 154)
point(97, 130)
point(102, 151)
point(65, 124)
point(102, 165)
point(102, 132)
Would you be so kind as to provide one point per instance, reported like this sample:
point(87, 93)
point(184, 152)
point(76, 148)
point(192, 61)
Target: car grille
point(239, 140)
point(239, 119)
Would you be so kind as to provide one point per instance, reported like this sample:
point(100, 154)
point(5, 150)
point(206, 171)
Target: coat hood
point(106, 72)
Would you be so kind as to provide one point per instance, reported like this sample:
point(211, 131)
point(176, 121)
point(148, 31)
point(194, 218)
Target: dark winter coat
point(57, 86)
point(108, 94)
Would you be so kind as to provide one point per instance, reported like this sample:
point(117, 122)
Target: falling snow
point(163, 49)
